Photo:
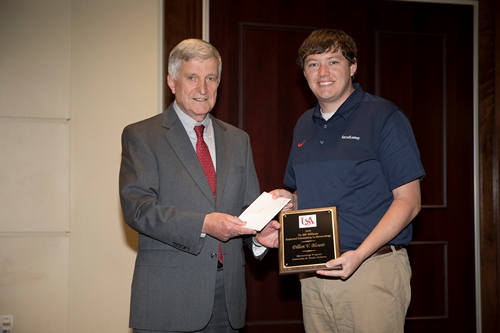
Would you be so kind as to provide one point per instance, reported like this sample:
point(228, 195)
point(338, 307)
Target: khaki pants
point(373, 300)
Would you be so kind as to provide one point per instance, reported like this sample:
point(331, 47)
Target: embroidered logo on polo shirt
point(350, 137)
point(301, 143)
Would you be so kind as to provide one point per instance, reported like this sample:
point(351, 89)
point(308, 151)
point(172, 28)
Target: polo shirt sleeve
point(399, 154)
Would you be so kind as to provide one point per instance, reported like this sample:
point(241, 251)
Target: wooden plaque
point(308, 239)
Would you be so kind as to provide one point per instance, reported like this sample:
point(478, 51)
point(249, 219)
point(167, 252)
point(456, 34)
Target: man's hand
point(349, 263)
point(224, 226)
point(269, 235)
point(280, 193)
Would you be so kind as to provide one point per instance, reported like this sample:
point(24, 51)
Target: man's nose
point(323, 70)
point(202, 87)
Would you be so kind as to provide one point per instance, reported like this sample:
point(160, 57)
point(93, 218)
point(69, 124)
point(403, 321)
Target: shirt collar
point(349, 105)
point(189, 123)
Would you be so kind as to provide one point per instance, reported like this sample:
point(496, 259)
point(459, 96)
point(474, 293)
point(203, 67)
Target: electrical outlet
point(7, 323)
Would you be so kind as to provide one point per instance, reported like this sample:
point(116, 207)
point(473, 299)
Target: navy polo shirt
point(353, 161)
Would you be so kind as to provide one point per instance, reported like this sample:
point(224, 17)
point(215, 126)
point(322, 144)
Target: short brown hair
point(322, 40)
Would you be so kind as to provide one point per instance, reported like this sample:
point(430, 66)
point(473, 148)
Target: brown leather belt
point(386, 249)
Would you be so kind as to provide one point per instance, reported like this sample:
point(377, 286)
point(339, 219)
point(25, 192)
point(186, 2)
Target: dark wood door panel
point(422, 70)
point(416, 63)
point(429, 280)
point(269, 101)
point(278, 308)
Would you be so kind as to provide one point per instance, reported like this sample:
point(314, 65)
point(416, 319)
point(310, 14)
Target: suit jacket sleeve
point(145, 205)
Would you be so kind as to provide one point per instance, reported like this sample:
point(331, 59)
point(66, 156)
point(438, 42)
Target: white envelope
point(262, 210)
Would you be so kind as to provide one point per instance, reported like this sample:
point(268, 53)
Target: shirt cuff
point(257, 248)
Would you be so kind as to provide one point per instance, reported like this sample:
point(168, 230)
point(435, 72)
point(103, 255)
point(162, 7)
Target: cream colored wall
point(73, 73)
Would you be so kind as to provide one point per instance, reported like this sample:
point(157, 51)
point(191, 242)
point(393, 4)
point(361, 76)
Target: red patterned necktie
point(205, 158)
point(207, 166)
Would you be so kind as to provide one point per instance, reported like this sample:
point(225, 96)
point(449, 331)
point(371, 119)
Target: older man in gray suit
point(180, 283)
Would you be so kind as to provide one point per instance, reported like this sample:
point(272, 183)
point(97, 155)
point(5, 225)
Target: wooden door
point(418, 55)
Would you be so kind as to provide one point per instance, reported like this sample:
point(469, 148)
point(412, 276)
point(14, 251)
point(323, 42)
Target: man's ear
point(171, 83)
point(354, 68)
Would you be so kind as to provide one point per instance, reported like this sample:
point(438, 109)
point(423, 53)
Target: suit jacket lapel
point(177, 137)
point(223, 149)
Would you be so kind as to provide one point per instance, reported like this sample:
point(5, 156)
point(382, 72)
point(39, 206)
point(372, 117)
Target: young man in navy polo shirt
point(357, 152)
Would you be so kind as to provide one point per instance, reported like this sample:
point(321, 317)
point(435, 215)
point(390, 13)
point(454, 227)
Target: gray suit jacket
point(165, 196)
